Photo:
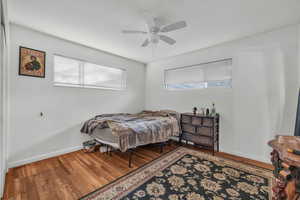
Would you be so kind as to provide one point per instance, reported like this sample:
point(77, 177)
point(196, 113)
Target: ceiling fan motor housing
point(154, 30)
point(154, 38)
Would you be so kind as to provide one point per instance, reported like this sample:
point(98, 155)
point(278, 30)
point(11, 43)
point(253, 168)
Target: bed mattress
point(105, 136)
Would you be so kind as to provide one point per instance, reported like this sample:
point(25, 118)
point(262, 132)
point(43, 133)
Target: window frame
point(187, 66)
point(81, 84)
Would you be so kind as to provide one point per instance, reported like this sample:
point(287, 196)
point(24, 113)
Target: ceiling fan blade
point(133, 32)
point(145, 43)
point(167, 39)
point(174, 26)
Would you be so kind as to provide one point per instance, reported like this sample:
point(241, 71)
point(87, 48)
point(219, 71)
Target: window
point(77, 73)
point(215, 74)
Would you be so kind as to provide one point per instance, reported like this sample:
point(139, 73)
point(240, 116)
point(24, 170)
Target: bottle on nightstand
point(213, 110)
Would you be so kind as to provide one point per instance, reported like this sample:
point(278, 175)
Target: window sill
point(198, 89)
point(87, 87)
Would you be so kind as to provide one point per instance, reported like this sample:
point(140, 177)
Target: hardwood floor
point(73, 175)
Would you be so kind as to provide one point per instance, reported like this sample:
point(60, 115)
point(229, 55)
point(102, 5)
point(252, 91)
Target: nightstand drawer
point(188, 128)
point(205, 131)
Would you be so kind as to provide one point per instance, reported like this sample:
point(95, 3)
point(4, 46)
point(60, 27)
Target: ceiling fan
point(155, 28)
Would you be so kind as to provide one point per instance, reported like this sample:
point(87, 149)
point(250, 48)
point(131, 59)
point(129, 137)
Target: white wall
point(2, 160)
point(262, 102)
point(4, 48)
point(33, 137)
point(299, 52)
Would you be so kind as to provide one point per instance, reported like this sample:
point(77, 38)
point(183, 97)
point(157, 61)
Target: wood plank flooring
point(73, 175)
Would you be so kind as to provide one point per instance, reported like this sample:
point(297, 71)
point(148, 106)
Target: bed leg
point(130, 158)
point(162, 147)
point(109, 153)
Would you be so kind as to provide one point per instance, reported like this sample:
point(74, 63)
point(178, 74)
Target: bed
point(125, 132)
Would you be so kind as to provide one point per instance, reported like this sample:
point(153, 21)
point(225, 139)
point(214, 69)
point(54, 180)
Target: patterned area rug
point(192, 175)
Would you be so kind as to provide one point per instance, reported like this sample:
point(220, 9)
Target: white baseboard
point(250, 156)
point(76, 148)
point(43, 156)
point(237, 153)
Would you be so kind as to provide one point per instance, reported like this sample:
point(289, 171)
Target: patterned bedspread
point(134, 130)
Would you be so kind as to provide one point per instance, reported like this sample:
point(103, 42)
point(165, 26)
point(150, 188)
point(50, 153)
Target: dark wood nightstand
point(202, 130)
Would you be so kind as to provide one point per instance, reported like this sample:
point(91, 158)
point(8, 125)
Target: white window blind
point(66, 71)
point(77, 73)
point(212, 74)
point(99, 76)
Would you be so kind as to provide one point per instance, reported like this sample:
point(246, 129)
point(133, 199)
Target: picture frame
point(32, 62)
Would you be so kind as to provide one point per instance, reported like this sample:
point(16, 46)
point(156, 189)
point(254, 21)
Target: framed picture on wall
point(32, 62)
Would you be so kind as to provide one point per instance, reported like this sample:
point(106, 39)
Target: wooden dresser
point(202, 130)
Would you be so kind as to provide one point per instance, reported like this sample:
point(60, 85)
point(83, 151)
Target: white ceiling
point(98, 23)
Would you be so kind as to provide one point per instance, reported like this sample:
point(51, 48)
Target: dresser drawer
point(207, 141)
point(188, 128)
point(205, 131)
point(208, 122)
point(201, 140)
point(186, 119)
point(196, 121)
